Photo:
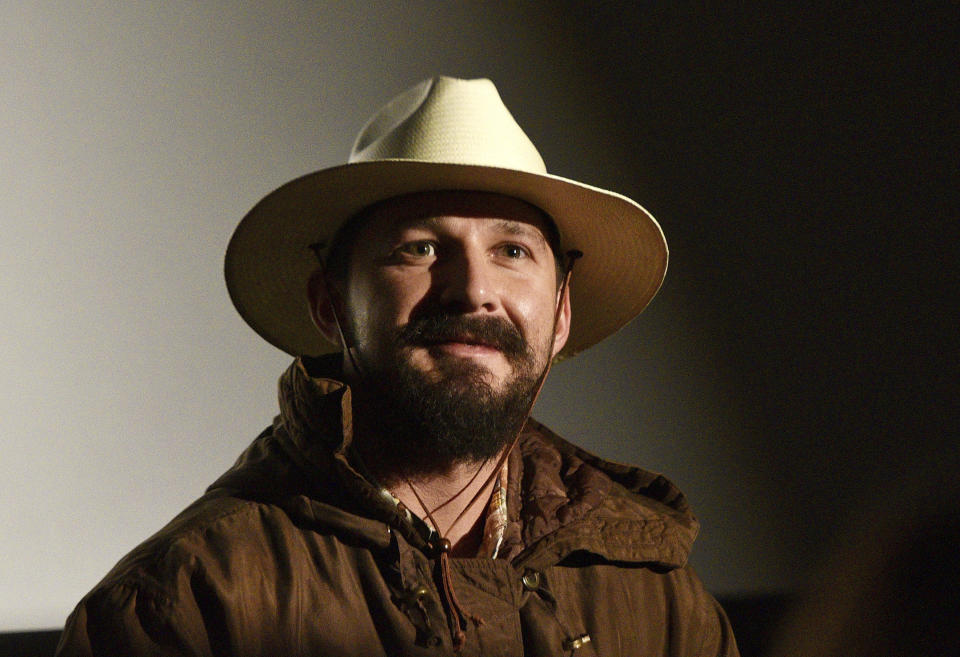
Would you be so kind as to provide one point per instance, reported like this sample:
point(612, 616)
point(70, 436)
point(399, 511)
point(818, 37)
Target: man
point(403, 502)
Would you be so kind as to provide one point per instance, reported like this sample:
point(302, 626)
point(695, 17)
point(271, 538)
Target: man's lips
point(463, 342)
point(465, 339)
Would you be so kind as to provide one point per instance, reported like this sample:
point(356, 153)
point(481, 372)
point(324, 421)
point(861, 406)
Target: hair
point(340, 248)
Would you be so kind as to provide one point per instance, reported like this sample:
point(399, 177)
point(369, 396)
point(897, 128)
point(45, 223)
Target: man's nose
point(466, 284)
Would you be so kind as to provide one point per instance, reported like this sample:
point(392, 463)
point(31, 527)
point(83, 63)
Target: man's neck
point(453, 498)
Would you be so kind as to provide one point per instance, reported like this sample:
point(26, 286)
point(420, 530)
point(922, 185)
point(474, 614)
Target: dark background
point(812, 155)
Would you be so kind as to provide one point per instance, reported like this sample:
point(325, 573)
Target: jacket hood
point(563, 503)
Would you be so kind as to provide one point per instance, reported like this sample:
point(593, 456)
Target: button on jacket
point(293, 552)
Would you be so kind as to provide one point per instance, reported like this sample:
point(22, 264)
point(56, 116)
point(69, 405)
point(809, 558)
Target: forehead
point(498, 212)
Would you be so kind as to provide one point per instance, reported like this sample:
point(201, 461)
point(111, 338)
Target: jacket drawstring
point(458, 613)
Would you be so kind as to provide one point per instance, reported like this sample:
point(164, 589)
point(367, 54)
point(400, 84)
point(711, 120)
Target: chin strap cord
point(335, 300)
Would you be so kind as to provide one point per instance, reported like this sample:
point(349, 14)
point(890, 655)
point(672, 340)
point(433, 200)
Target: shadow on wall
point(889, 590)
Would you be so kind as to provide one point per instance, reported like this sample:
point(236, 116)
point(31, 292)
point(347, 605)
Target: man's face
point(471, 272)
point(450, 303)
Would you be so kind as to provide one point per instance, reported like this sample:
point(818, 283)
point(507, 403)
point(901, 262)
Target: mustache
point(495, 332)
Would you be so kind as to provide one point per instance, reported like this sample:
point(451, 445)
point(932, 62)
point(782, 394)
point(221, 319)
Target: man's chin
point(447, 408)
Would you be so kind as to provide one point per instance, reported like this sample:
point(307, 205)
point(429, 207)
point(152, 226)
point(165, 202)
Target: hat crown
point(450, 121)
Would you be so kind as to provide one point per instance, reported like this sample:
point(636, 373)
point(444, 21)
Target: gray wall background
point(791, 377)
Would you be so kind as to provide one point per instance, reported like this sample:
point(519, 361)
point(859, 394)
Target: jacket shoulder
point(201, 544)
point(572, 501)
point(153, 596)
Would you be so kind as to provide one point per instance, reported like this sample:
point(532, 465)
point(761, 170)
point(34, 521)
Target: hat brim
point(269, 260)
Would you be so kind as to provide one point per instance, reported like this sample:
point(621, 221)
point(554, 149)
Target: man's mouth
point(464, 335)
point(462, 344)
point(468, 340)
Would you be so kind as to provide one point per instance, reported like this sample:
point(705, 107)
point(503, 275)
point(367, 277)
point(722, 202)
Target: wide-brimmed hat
point(443, 134)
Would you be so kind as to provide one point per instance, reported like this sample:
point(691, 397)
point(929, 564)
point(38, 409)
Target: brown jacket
point(292, 552)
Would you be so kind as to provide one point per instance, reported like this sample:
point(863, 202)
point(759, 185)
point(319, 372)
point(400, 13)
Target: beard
point(452, 413)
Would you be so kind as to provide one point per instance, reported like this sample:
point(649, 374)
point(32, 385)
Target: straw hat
point(443, 134)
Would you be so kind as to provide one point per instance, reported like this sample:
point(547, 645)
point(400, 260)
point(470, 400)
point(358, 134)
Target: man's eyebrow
point(508, 226)
point(520, 229)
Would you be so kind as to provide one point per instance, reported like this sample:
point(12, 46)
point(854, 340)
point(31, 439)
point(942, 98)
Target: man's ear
point(562, 329)
point(323, 311)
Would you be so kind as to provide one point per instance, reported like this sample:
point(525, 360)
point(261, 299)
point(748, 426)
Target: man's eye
point(514, 251)
point(419, 249)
